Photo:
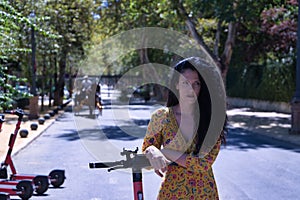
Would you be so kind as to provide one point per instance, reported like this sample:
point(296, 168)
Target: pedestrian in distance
point(86, 84)
point(176, 133)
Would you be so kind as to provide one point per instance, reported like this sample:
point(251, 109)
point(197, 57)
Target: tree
point(10, 18)
point(73, 21)
point(265, 67)
point(280, 25)
point(213, 24)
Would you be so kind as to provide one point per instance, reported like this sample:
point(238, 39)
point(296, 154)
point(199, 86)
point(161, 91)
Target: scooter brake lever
point(115, 168)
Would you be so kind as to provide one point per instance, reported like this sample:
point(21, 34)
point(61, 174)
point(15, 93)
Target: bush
point(272, 82)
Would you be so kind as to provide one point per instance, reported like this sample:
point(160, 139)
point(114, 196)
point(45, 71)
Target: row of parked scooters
point(24, 185)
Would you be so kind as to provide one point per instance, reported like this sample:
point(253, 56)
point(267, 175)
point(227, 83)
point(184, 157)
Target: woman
point(180, 128)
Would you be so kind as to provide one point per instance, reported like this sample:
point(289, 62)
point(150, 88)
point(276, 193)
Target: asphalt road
point(60, 147)
point(257, 167)
point(251, 166)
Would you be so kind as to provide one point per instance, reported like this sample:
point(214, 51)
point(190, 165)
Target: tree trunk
point(143, 53)
point(192, 28)
point(150, 74)
point(150, 71)
point(59, 88)
point(224, 61)
point(227, 53)
point(217, 39)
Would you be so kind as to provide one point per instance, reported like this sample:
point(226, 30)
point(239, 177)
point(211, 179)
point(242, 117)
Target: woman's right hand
point(157, 160)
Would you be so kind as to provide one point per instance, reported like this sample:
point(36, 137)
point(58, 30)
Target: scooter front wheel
point(4, 196)
point(57, 177)
point(41, 183)
point(26, 189)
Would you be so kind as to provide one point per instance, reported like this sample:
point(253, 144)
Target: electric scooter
point(41, 182)
point(4, 196)
point(23, 189)
point(134, 161)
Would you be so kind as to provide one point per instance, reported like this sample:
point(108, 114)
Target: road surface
point(251, 166)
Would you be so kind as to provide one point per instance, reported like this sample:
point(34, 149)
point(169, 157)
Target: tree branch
point(192, 28)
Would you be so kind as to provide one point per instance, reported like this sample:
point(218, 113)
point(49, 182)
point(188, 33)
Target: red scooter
point(41, 182)
point(134, 161)
point(23, 188)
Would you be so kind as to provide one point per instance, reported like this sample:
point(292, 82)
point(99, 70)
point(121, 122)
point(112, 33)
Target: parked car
point(142, 92)
point(22, 100)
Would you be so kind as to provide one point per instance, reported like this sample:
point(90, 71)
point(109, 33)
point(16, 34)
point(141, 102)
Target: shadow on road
point(239, 138)
point(260, 123)
point(69, 135)
point(106, 132)
point(125, 133)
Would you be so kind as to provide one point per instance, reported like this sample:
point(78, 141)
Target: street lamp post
point(33, 77)
point(295, 129)
point(33, 106)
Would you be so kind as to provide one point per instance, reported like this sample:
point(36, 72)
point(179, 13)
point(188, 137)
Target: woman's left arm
point(192, 162)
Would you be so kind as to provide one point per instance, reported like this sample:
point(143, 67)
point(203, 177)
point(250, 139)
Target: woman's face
point(189, 86)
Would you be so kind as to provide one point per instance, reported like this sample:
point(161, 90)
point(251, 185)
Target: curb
point(269, 106)
point(33, 139)
point(283, 138)
point(291, 139)
point(26, 144)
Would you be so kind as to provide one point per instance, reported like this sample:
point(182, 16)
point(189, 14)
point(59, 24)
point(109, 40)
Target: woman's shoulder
point(161, 112)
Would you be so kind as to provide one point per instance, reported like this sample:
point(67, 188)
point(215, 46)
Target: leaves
point(66, 30)
point(280, 24)
point(8, 92)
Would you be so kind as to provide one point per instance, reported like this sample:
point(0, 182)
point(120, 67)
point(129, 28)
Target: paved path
point(8, 127)
point(271, 124)
point(251, 166)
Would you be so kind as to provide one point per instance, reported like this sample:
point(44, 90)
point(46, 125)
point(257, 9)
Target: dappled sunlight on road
point(261, 122)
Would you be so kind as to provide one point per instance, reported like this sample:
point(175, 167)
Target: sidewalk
point(9, 126)
point(272, 124)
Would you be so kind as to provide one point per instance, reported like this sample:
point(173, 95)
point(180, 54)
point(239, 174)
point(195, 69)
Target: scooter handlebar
point(105, 164)
point(138, 161)
point(2, 118)
point(18, 112)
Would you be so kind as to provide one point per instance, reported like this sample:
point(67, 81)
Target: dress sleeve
point(154, 131)
point(196, 163)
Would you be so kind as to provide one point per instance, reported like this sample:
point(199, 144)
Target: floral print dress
point(196, 181)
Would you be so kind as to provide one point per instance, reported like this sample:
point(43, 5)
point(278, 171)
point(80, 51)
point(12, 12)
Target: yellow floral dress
point(196, 181)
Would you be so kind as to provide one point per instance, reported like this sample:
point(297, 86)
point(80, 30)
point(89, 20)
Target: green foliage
point(9, 29)
point(121, 16)
point(273, 81)
point(263, 63)
point(7, 91)
point(279, 23)
point(73, 21)
point(277, 83)
point(66, 30)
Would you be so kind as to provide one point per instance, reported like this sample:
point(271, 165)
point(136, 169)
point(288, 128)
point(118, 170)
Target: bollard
point(295, 118)
point(51, 113)
point(23, 133)
point(47, 116)
point(33, 126)
point(41, 120)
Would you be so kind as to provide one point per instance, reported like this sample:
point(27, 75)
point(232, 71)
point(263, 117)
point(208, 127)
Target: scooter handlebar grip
point(100, 165)
point(9, 112)
point(18, 112)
